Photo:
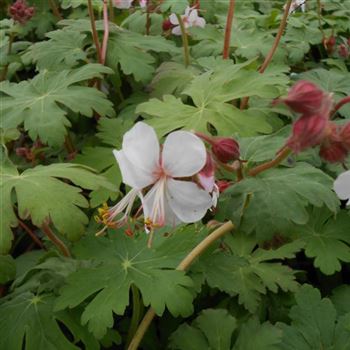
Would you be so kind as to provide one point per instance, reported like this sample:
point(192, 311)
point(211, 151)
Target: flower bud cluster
point(21, 12)
point(314, 127)
point(342, 50)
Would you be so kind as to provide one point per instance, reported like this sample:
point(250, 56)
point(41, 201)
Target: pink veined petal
point(193, 16)
point(187, 200)
point(199, 22)
point(176, 30)
point(207, 182)
point(183, 154)
point(188, 11)
point(342, 186)
point(173, 19)
point(141, 147)
point(132, 175)
point(156, 207)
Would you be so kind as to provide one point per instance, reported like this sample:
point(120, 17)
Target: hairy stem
point(285, 152)
point(94, 31)
point(273, 49)
point(55, 240)
point(184, 41)
point(106, 32)
point(340, 104)
point(231, 10)
point(31, 234)
point(184, 265)
point(319, 17)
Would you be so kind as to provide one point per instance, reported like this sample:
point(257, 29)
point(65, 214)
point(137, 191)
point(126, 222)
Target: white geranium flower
point(190, 19)
point(122, 4)
point(143, 163)
point(295, 5)
point(342, 186)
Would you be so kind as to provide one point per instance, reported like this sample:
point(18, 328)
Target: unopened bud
point(306, 98)
point(329, 44)
point(333, 152)
point(21, 12)
point(344, 136)
point(166, 25)
point(307, 132)
point(223, 185)
point(225, 149)
point(343, 51)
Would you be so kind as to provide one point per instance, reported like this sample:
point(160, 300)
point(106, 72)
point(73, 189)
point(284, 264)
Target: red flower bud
point(343, 51)
point(329, 44)
point(307, 132)
point(20, 12)
point(344, 136)
point(333, 152)
point(167, 25)
point(306, 98)
point(223, 185)
point(225, 149)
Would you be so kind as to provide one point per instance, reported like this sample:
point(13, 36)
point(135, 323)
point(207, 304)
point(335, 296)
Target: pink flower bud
point(223, 185)
point(225, 149)
point(333, 152)
point(344, 136)
point(167, 25)
point(308, 131)
point(20, 12)
point(329, 44)
point(306, 98)
point(343, 51)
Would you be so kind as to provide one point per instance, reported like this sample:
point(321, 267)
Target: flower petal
point(199, 22)
point(176, 30)
point(173, 19)
point(184, 154)
point(193, 15)
point(141, 147)
point(342, 186)
point(187, 200)
point(132, 175)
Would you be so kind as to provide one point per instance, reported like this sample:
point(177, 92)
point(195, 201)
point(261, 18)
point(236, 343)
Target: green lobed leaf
point(38, 103)
point(7, 269)
point(276, 199)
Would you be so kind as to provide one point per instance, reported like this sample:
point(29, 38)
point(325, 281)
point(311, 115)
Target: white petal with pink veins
point(342, 186)
point(183, 154)
point(187, 200)
point(122, 4)
point(132, 175)
point(176, 30)
point(141, 147)
point(173, 19)
point(199, 22)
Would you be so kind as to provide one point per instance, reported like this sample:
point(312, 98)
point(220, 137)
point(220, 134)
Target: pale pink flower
point(122, 4)
point(145, 166)
point(143, 3)
point(342, 186)
point(190, 19)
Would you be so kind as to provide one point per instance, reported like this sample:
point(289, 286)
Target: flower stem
point(340, 104)
point(31, 234)
point(94, 31)
point(106, 32)
point(136, 312)
point(319, 16)
point(55, 240)
point(231, 10)
point(55, 10)
point(272, 163)
point(184, 41)
point(273, 49)
point(184, 265)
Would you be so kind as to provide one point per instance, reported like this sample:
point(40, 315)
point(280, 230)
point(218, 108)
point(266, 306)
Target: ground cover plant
point(175, 174)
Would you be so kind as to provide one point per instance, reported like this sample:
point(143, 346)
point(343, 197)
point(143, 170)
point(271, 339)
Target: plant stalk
point(55, 240)
point(184, 265)
point(106, 32)
point(184, 41)
point(31, 234)
point(340, 104)
point(94, 31)
point(55, 9)
point(273, 49)
point(228, 28)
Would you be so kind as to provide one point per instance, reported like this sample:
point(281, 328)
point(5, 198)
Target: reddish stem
point(94, 31)
point(231, 10)
point(340, 104)
point(106, 32)
point(55, 9)
point(272, 163)
point(273, 49)
point(55, 240)
point(148, 17)
point(31, 234)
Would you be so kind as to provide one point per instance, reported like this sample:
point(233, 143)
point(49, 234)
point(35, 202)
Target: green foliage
point(315, 324)
point(248, 272)
point(211, 93)
point(123, 262)
point(327, 239)
point(7, 269)
point(276, 199)
point(38, 103)
point(54, 199)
